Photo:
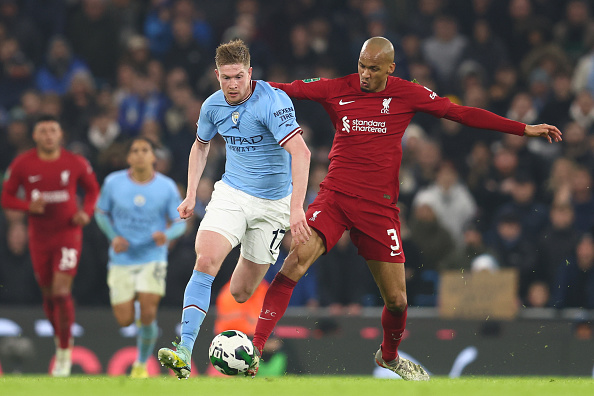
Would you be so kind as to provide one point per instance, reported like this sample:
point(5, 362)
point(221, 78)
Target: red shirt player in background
point(370, 111)
point(50, 176)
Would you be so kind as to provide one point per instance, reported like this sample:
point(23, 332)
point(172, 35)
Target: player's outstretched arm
point(550, 132)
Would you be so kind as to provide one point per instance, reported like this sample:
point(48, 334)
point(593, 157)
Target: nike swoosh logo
point(343, 103)
point(395, 254)
point(33, 179)
point(259, 317)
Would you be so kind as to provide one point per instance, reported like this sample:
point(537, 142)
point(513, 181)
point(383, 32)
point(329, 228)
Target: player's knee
point(295, 265)
point(206, 264)
point(240, 294)
point(396, 303)
point(124, 321)
point(241, 297)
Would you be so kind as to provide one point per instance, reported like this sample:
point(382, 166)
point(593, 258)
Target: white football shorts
point(125, 281)
point(258, 224)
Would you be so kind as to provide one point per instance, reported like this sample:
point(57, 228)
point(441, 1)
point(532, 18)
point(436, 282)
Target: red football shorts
point(57, 253)
point(375, 229)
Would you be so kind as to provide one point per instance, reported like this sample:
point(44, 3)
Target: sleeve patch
point(308, 80)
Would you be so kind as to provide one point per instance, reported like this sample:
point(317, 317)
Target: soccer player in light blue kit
point(137, 211)
point(260, 195)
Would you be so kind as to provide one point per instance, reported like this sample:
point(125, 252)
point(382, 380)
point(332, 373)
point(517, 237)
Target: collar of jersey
point(246, 99)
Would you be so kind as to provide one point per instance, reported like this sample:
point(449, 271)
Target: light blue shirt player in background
point(137, 211)
point(260, 195)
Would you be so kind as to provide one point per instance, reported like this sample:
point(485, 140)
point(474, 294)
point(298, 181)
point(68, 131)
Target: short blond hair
point(232, 53)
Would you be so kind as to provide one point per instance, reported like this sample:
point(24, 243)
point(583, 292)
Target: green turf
point(80, 385)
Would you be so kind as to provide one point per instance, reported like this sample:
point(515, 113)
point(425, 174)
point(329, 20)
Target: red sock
point(63, 318)
point(48, 308)
point(393, 324)
point(274, 307)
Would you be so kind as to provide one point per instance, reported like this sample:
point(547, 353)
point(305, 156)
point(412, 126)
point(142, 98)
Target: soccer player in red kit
point(50, 176)
point(370, 111)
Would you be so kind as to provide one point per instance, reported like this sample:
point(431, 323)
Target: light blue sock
point(145, 340)
point(196, 303)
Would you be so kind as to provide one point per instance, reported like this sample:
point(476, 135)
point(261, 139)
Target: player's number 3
point(395, 248)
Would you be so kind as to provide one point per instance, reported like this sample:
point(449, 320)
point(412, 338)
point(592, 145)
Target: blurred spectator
point(582, 198)
point(143, 103)
point(582, 109)
point(439, 248)
point(103, 130)
point(532, 213)
point(421, 19)
point(504, 88)
point(522, 108)
point(426, 163)
point(185, 52)
point(16, 277)
point(451, 201)
point(575, 144)
point(538, 295)
point(94, 35)
point(485, 49)
point(444, 50)
point(17, 141)
point(16, 72)
point(513, 250)
point(128, 16)
point(59, 68)
point(14, 18)
point(556, 241)
point(136, 53)
point(79, 106)
point(575, 33)
point(201, 26)
point(556, 109)
point(517, 28)
point(472, 248)
point(574, 284)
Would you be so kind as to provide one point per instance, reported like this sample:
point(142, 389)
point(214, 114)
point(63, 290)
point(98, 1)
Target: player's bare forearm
point(37, 206)
point(81, 218)
point(160, 238)
point(549, 132)
point(300, 157)
point(196, 164)
point(119, 244)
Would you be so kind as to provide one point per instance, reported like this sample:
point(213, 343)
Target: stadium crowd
point(470, 199)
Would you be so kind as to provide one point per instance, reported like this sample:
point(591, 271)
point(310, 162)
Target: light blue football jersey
point(254, 132)
point(136, 211)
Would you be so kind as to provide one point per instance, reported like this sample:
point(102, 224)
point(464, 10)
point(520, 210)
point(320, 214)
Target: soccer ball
point(231, 352)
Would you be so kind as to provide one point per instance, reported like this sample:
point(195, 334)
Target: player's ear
point(392, 68)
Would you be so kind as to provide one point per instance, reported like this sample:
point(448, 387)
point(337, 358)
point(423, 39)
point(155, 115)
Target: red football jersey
point(367, 150)
point(54, 181)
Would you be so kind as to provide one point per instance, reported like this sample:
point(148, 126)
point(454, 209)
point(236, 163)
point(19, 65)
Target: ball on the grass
point(231, 352)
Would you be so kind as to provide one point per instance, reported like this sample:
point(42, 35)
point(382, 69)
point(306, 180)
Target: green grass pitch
point(304, 385)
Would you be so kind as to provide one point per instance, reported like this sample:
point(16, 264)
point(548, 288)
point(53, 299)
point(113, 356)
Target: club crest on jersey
point(139, 200)
point(235, 117)
point(386, 104)
point(64, 176)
